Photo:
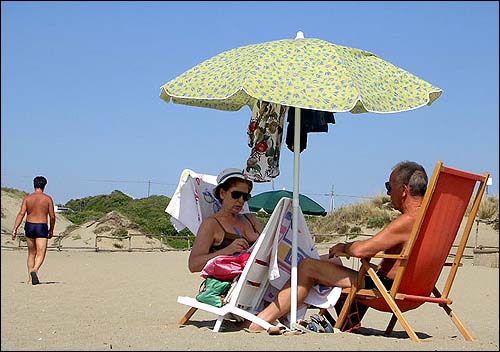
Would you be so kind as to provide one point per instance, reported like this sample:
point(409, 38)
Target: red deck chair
point(423, 258)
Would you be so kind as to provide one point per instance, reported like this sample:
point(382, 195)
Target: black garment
point(229, 237)
point(310, 121)
point(369, 284)
point(36, 230)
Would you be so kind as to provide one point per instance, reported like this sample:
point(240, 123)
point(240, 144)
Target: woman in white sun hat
point(227, 232)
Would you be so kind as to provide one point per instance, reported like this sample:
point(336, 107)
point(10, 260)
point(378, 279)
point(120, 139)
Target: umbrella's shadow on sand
point(395, 334)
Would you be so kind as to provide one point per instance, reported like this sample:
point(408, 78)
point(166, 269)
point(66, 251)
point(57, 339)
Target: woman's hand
point(237, 246)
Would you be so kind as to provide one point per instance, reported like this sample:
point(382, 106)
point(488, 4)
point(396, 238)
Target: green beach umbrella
point(306, 73)
point(267, 201)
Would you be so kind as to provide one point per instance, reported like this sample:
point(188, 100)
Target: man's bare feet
point(255, 327)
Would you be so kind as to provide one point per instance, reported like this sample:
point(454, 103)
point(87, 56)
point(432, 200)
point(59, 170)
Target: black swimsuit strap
point(246, 217)
point(223, 229)
point(226, 241)
point(251, 223)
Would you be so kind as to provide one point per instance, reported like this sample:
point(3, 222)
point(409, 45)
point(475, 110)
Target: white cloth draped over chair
point(194, 201)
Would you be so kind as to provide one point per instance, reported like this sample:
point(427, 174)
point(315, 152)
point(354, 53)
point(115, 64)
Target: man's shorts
point(369, 284)
point(32, 230)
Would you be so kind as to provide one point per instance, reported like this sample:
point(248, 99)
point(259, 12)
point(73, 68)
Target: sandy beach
point(104, 300)
point(127, 301)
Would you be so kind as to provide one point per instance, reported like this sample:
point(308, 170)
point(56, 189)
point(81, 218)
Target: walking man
point(38, 206)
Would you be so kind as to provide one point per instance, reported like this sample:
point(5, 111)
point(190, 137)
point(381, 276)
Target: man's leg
point(354, 316)
point(310, 272)
point(41, 249)
point(31, 256)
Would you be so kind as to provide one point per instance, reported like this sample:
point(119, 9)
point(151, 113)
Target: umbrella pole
point(295, 216)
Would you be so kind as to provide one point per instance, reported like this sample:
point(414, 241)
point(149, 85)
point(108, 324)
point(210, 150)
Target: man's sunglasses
point(238, 194)
point(388, 186)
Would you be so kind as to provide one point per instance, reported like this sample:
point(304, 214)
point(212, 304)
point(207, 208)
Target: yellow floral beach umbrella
point(305, 73)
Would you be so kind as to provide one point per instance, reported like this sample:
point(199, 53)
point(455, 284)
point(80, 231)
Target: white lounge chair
point(268, 262)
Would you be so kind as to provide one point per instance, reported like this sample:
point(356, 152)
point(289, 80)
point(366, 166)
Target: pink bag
point(225, 267)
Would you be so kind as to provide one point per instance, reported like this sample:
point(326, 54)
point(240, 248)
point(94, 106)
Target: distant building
point(61, 209)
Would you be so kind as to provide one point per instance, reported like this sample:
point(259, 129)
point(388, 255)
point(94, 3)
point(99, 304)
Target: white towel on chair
point(280, 266)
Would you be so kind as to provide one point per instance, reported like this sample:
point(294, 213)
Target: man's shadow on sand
point(42, 283)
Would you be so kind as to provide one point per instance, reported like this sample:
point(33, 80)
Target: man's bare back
point(38, 207)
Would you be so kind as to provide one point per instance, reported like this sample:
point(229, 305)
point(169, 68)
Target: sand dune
point(111, 232)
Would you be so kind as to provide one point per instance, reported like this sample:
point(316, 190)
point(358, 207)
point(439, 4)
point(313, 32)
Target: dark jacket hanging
point(310, 121)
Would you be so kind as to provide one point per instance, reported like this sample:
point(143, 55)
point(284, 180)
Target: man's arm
point(19, 218)
point(396, 233)
point(52, 217)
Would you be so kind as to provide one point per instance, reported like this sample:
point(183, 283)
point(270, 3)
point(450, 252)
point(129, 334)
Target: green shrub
point(355, 230)
point(179, 243)
point(120, 232)
point(81, 217)
point(378, 223)
point(488, 208)
point(373, 213)
point(342, 229)
point(147, 214)
point(16, 192)
point(101, 229)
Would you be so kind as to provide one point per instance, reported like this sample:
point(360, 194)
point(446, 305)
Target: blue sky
point(80, 85)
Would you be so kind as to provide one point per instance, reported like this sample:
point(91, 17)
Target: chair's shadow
point(395, 334)
point(227, 325)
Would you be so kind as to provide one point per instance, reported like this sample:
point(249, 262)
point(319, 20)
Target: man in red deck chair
point(423, 258)
point(416, 246)
point(406, 187)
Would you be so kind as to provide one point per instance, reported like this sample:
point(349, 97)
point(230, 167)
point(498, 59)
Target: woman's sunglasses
point(238, 194)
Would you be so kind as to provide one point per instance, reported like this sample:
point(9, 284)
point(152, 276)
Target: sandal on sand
point(316, 323)
point(34, 278)
point(325, 324)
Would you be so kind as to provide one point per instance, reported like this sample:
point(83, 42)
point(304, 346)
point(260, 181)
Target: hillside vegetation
point(149, 213)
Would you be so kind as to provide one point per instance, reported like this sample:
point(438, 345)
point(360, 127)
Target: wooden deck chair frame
point(245, 297)
point(442, 211)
